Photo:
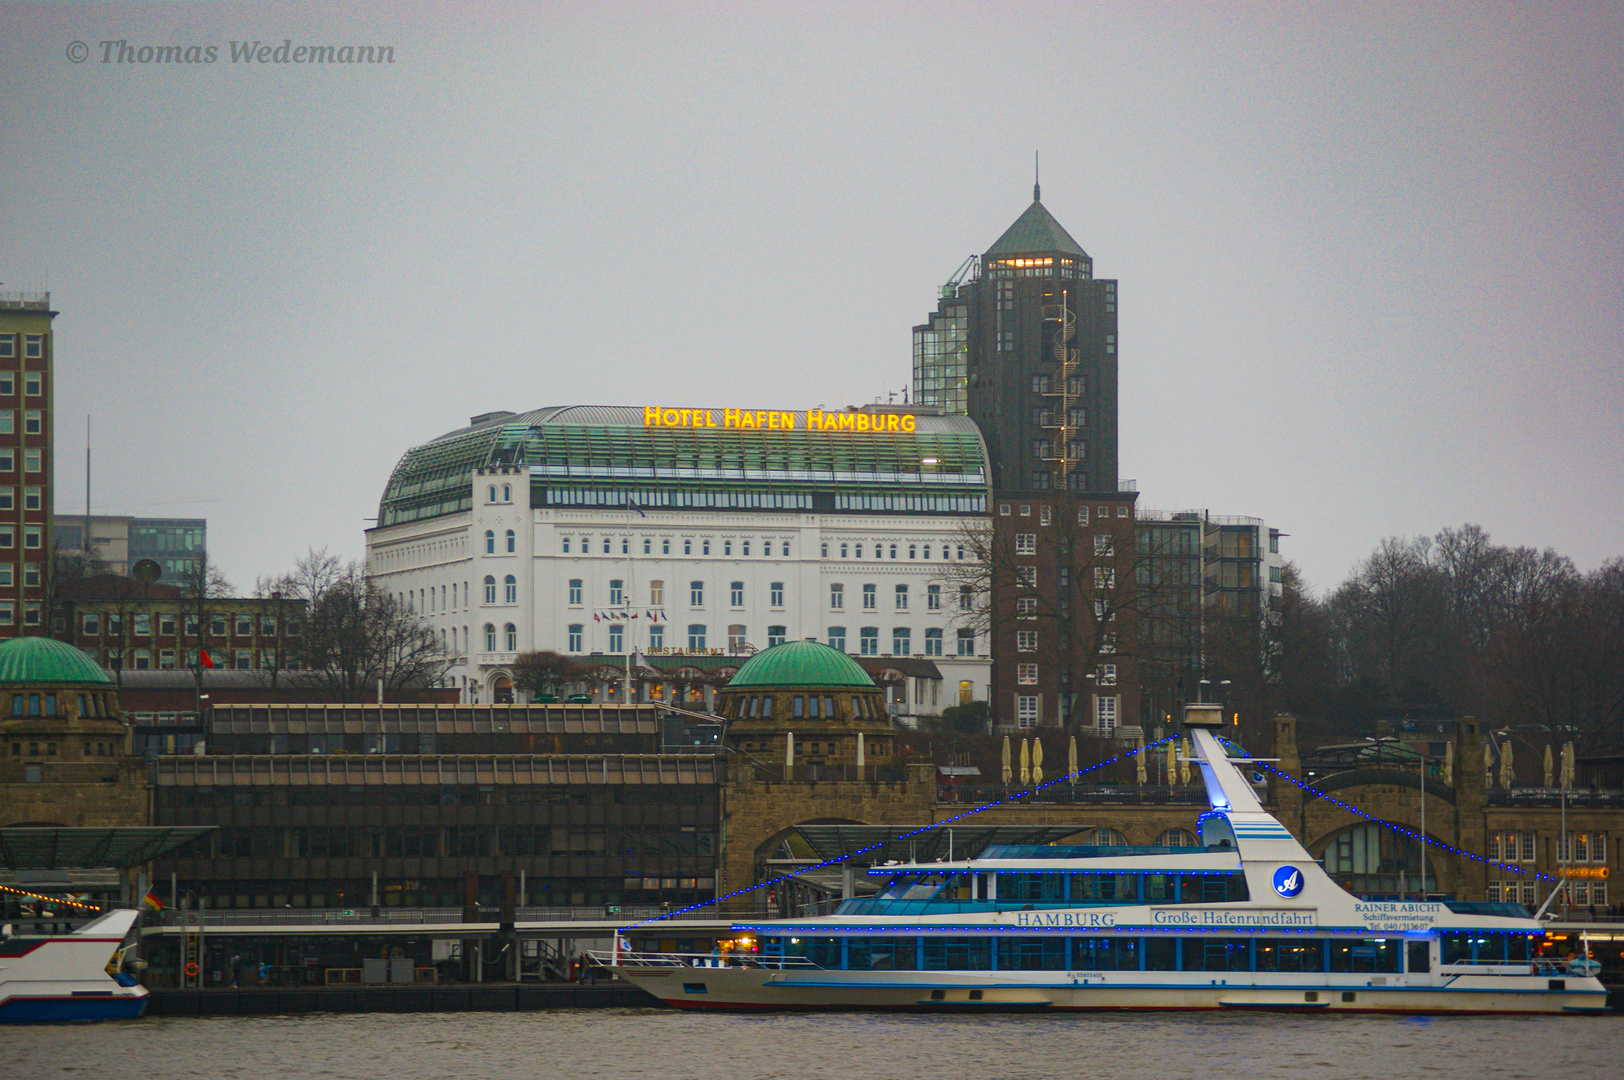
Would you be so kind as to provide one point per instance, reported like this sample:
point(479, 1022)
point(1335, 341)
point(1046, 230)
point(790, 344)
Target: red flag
point(204, 659)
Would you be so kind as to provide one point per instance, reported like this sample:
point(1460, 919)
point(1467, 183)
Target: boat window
point(882, 954)
point(1106, 954)
point(1104, 887)
point(1290, 955)
point(1032, 954)
point(1031, 886)
point(1364, 957)
point(957, 954)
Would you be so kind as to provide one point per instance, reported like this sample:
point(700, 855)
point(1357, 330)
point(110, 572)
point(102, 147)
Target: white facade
point(504, 579)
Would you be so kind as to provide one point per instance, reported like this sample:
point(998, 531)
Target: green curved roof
point(802, 664)
point(39, 660)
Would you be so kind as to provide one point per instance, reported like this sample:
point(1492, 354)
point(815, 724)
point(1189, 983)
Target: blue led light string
point(1509, 868)
point(913, 832)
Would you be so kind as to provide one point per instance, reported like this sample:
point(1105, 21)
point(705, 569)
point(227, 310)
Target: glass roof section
point(605, 456)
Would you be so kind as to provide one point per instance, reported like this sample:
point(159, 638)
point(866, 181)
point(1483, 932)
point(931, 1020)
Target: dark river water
point(565, 1044)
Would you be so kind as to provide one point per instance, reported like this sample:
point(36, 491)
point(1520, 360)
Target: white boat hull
point(749, 989)
point(64, 977)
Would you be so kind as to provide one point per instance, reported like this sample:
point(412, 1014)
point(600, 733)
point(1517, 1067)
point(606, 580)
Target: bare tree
point(358, 638)
point(201, 586)
point(544, 672)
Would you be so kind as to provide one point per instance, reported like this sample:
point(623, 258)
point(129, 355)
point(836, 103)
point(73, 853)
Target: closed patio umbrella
point(1037, 760)
point(1006, 759)
point(1026, 763)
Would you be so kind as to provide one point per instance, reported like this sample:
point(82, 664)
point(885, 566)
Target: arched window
point(510, 590)
point(490, 495)
point(490, 542)
point(511, 542)
point(1177, 838)
point(507, 493)
point(490, 589)
point(1370, 859)
point(490, 637)
point(510, 635)
point(1106, 837)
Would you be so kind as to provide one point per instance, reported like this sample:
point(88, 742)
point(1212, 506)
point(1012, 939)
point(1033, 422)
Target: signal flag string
point(1509, 868)
point(913, 832)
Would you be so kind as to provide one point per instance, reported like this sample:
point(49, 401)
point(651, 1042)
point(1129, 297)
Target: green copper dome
point(40, 660)
point(802, 664)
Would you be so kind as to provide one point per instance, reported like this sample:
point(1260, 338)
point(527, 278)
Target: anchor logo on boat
point(1288, 881)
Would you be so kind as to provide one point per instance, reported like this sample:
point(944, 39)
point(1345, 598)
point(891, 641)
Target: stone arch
point(499, 687)
point(1372, 860)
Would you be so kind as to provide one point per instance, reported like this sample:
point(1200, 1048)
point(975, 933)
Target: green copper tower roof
point(798, 664)
point(37, 660)
point(1035, 231)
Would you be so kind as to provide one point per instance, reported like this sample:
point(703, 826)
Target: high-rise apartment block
point(26, 392)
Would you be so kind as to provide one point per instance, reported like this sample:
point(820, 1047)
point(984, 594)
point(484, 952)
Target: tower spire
point(1037, 189)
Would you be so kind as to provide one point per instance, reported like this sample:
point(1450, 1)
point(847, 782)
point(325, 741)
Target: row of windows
point(1523, 847)
point(33, 537)
point(1046, 513)
point(31, 575)
point(698, 635)
point(1008, 953)
point(237, 659)
point(607, 545)
point(33, 422)
point(33, 498)
point(92, 623)
point(33, 346)
point(33, 460)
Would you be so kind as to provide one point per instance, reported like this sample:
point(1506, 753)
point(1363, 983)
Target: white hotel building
point(721, 532)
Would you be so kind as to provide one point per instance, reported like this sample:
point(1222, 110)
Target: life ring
point(191, 970)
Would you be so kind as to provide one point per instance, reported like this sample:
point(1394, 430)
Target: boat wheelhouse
point(1245, 920)
point(53, 977)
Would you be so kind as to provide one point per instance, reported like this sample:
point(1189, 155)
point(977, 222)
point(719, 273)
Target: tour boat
point(1246, 920)
point(73, 976)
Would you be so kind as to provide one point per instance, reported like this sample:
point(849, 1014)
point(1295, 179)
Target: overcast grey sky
point(1369, 254)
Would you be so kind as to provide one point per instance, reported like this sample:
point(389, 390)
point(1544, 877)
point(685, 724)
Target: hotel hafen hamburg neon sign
point(655, 416)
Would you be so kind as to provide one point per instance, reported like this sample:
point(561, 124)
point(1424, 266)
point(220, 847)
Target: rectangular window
point(33, 423)
point(33, 537)
point(1108, 674)
point(142, 624)
point(871, 597)
point(92, 623)
point(575, 636)
point(31, 574)
point(933, 641)
point(1026, 607)
point(1026, 674)
point(1026, 641)
point(868, 641)
point(656, 638)
point(8, 460)
point(1105, 713)
point(967, 598)
point(33, 461)
point(617, 592)
point(32, 499)
point(775, 594)
point(696, 637)
point(8, 422)
point(33, 384)
point(776, 635)
point(1026, 576)
point(902, 598)
point(656, 593)
point(837, 597)
point(735, 594)
point(837, 638)
point(901, 641)
point(244, 625)
point(6, 575)
point(617, 638)
point(933, 598)
point(1026, 710)
point(1026, 543)
point(8, 613)
point(736, 638)
point(967, 642)
point(1104, 577)
point(8, 537)
point(696, 594)
point(33, 346)
point(1103, 544)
